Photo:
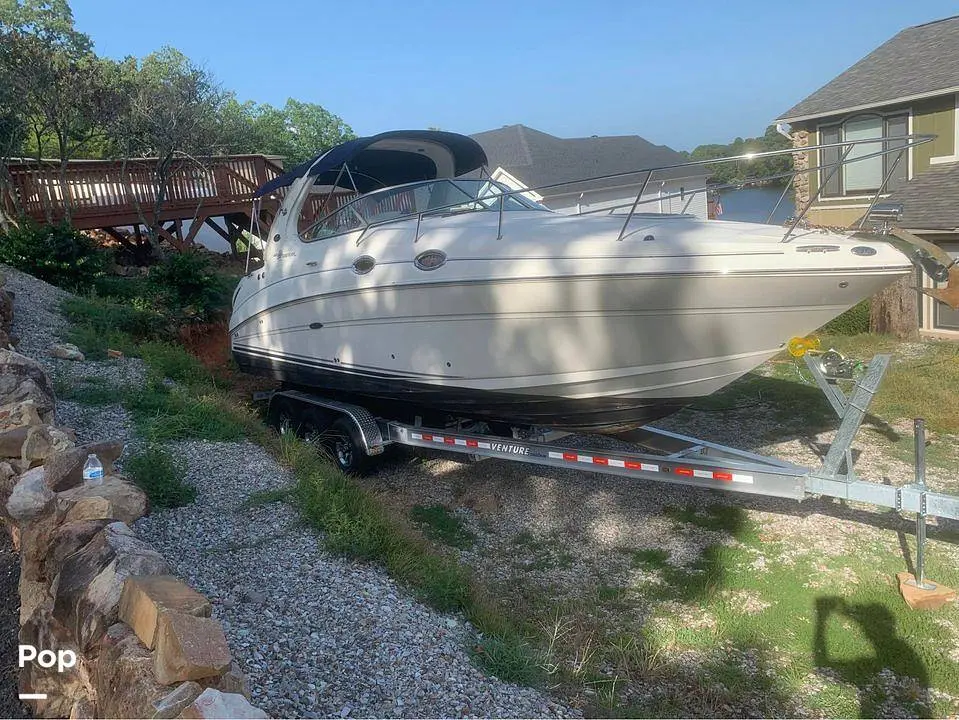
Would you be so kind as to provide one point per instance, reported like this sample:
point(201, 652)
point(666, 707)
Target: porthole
point(363, 264)
point(430, 259)
point(863, 251)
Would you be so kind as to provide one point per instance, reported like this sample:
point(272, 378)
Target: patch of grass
point(162, 414)
point(441, 525)
point(94, 342)
point(854, 321)
point(267, 497)
point(511, 658)
point(156, 472)
point(649, 558)
point(138, 320)
point(88, 390)
point(167, 360)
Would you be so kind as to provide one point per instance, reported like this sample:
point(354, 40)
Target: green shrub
point(57, 254)
point(190, 288)
point(156, 472)
point(852, 322)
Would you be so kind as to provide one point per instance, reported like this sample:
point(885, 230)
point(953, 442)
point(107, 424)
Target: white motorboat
point(431, 293)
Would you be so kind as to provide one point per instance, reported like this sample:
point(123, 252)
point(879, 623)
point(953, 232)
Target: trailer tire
point(283, 416)
point(346, 447)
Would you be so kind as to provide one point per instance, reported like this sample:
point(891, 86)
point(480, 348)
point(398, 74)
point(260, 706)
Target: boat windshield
point(440, 197)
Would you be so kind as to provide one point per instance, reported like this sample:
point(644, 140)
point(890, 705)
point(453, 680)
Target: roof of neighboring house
point(537, 158)
point(920, 61)
point(931, 199)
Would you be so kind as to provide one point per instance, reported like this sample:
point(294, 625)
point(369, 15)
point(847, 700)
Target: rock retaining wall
point(145, 644)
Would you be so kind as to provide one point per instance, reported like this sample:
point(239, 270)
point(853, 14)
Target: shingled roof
point(931, 199)
point(537, 158)
point(920, 61)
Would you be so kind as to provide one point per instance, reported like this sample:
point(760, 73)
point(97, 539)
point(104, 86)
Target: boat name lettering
point(511, 449)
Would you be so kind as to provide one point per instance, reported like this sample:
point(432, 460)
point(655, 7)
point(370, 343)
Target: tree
point(296, 132)
point(65, 94)
point(172, 115)
point(739, 171)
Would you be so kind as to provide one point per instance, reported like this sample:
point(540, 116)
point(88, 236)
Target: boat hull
point(598, 353)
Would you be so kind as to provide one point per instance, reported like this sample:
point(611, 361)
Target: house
point(528, 158)
point(907, 86)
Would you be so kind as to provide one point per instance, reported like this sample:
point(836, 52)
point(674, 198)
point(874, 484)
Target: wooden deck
point(112, 194)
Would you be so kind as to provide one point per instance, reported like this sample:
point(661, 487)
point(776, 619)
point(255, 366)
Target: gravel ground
point(318, 636)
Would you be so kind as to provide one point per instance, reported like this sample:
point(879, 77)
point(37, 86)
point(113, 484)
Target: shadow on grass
point(890, 652)
point(800, 410)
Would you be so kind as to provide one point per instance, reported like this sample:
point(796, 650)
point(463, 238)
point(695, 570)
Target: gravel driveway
point(317, 635)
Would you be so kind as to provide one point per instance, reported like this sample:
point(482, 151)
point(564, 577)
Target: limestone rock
point(114, 499)
point(8, 478)
point(33, 594)
point(233, 680)
point(64, 470)
point(65, 351)
point(91, 581)
point(17, 414)
point(62, 689)
point(11, 441)
point(22, 378)
point(215, 704)
point(189, 648)
point(145, 598)
point(37, 445)
point(174, 703)
point(66, 539)
point(125, 684)
point(30, 496)
point(62, 439)
point(82, 710)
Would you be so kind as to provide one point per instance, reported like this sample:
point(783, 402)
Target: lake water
point(755, 204)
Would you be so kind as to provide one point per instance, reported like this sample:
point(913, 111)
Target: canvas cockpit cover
point(387, 159)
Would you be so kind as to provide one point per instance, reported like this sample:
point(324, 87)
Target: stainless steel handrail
point(909, 141)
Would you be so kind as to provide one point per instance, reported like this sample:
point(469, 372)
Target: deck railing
point(100, 191)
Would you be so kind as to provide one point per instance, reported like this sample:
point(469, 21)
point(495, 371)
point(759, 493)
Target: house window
point(864, 176)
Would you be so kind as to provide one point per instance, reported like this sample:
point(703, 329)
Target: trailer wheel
point(283, 417)
point(346, 447)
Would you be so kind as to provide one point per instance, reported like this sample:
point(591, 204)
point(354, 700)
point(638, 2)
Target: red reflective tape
point(688, 472)
point(427, 437)
point(472, 443)
point(450, 441)
point(722, 475)
point(633, 465)
point(600, 461)
point(570, 456)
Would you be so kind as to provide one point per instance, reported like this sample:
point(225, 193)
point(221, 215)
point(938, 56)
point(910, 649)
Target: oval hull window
point(430, 259)
point(363, 264)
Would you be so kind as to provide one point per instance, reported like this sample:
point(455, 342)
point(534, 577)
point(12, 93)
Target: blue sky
point(679, 73)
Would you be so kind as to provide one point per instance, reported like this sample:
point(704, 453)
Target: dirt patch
point(210, 342)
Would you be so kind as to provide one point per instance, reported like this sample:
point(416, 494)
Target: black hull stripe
point(402, 399)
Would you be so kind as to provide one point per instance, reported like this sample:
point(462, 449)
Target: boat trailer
point(354, 435)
